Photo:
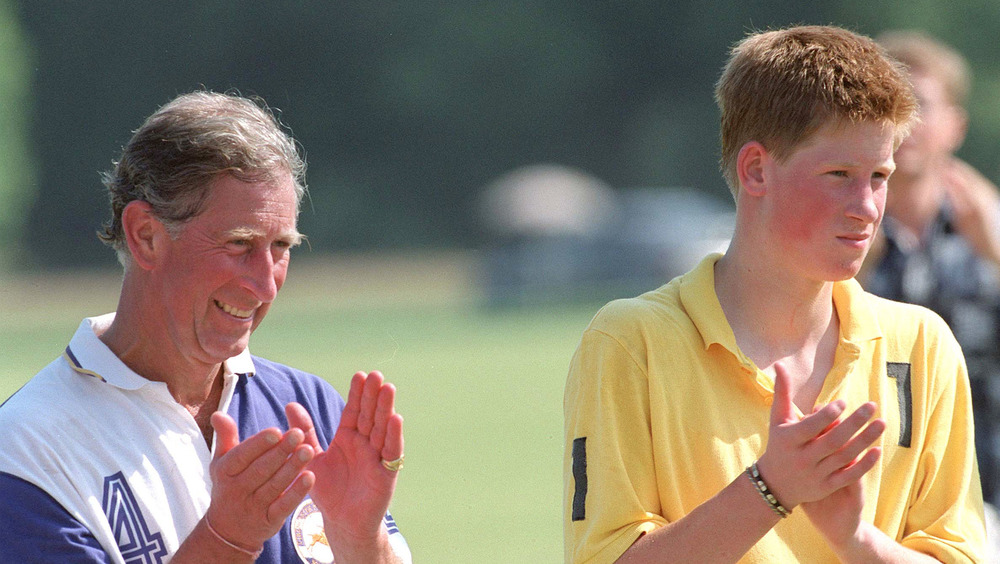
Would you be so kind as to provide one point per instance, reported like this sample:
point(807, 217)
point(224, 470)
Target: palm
point(838, 515)
point(351, 483)
point(352, 488)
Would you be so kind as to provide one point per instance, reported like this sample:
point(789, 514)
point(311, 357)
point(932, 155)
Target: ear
point(750, 165)
point(958, 120)
point(143, 233)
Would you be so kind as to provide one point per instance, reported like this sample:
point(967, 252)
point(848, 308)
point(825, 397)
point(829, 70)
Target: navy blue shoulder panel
point(259, 401)
point(46, 533)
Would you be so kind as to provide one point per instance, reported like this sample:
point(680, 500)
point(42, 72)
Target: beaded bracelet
point(758, 482)
point(252, 554)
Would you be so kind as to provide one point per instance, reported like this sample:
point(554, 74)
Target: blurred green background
point(406, 111)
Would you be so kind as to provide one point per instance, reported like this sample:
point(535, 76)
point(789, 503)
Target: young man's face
point(938, 133)
point(218, 278)
point(824, 202)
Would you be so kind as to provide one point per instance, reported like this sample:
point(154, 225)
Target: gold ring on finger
point(393, 465)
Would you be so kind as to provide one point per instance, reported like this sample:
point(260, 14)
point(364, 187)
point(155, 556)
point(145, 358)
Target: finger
point(826, 429)
point(369, 401)
point(349, 417)
point(227, 435)
point(958, 195)
point(240, 457)
point(286, 474)
point(855, 471)
point(384, 409)
point(392, 448)
point(298, 418)
point(818, 422)
point(266, 463)
point(290, 498)
point(850, 451)
point(782, 409)
point(838, 434)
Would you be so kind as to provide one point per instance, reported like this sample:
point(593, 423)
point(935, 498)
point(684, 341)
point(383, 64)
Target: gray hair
point(171, 160)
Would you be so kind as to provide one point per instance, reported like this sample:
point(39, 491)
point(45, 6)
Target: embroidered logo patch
point(308, 535)
point(136, 543)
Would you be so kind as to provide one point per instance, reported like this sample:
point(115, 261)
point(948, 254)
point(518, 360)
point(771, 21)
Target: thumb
point(226, 434)
point(782, 409)
point(299, 418)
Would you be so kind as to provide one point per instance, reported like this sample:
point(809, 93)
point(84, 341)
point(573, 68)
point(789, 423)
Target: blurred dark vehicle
point(555, 233)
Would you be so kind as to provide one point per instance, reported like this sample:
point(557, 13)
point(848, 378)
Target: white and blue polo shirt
point(98, 464)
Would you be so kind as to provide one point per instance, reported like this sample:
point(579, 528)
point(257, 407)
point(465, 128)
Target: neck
point(765, 307)
point(914, 200)
point(777, 318)
point(198, 389)
point(156, 357)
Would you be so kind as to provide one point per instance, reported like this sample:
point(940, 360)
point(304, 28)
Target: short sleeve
point(945, 518)
point(36, 528)
point(610, 493)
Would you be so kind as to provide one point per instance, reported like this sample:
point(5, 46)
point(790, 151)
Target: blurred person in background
point(939, 245)
point(763, 407)
point(157, 436)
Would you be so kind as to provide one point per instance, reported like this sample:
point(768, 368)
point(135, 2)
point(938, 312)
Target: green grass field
point(480, 389)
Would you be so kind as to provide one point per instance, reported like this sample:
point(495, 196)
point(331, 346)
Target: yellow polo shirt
point(663, 410)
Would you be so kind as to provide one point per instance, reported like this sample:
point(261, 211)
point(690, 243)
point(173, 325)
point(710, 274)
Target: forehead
point(861, 142)
point(235, 204)
point(928, 89)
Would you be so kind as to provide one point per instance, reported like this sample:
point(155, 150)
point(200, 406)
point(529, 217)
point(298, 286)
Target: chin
point(845, 272)
point(837, 270)
point(226, 350)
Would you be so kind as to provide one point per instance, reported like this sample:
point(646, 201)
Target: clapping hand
point(819, 458)
point(257, 483)
point(975, 204)
point(354, 479)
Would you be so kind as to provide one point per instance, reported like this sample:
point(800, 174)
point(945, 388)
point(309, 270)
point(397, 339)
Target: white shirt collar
point(88, 355)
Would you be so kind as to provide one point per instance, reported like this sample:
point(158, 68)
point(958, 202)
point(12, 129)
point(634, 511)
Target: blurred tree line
point(405, 110)
point(17, 185)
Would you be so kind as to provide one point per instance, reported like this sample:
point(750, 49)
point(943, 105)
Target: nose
point(867, 202)
point(263, 275)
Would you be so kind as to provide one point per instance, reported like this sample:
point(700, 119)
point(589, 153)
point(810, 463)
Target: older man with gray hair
point(157, 435)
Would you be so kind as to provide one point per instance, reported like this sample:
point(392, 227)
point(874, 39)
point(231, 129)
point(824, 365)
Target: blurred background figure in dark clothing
point(939, 245)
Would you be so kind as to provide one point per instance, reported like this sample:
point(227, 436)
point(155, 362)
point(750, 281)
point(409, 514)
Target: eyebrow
point(891, 165)
point(294, 238)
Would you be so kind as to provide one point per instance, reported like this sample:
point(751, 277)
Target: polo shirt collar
point(89, 356)
point(702, 305)
point(858, 322)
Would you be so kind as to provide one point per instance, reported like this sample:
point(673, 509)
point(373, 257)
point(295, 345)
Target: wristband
point(762, 489)
point(252, 554)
